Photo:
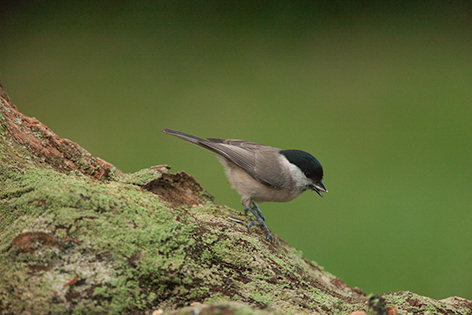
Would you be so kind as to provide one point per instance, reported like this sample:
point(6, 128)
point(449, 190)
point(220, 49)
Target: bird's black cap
point(308, 164)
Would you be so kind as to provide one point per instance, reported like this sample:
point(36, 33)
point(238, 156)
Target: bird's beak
point(319, 187)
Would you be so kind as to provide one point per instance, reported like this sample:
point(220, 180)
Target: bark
point(79, 236)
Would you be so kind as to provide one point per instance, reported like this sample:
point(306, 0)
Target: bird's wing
point(252, 157)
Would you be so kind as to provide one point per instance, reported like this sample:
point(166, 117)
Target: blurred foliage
point(379, 93)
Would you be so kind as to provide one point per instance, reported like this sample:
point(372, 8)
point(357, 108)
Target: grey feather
point(246, 154)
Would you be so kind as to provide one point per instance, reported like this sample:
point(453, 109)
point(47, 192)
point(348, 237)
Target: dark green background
point(380, 94)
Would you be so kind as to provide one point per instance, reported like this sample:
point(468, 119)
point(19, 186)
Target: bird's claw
point(260, 220)
point(269, 236)
point(252, 223)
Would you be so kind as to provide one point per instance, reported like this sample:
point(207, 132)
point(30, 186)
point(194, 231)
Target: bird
point(261, 173)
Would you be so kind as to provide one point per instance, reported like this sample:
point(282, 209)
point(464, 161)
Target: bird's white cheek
point(297, 175)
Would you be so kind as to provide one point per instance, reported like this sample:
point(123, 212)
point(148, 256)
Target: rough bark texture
point(79, 236)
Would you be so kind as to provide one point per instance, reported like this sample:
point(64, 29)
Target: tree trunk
point(79, 236)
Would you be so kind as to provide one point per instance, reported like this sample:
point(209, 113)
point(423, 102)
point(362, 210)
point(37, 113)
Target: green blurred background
point(381, 94)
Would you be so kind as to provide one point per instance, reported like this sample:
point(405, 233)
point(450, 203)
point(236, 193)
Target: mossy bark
point(79, 236)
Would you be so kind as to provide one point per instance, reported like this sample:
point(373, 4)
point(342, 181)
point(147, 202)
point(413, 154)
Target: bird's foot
point(260, 221)
point(269, 236)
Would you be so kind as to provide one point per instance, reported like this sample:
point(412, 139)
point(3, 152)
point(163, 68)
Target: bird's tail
point(184, 136)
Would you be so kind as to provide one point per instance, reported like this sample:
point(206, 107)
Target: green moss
point(264, 298)
point(111, 247)
point(217, 298)
point(139, 178)
point(128, 251)
point(110, 224)
point(416, 304)
point(209, 238)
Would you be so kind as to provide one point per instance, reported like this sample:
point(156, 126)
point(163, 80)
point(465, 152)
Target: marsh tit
point(262, 173)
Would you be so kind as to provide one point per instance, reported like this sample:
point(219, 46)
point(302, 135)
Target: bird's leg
point(260, 220)
point(256, 207)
